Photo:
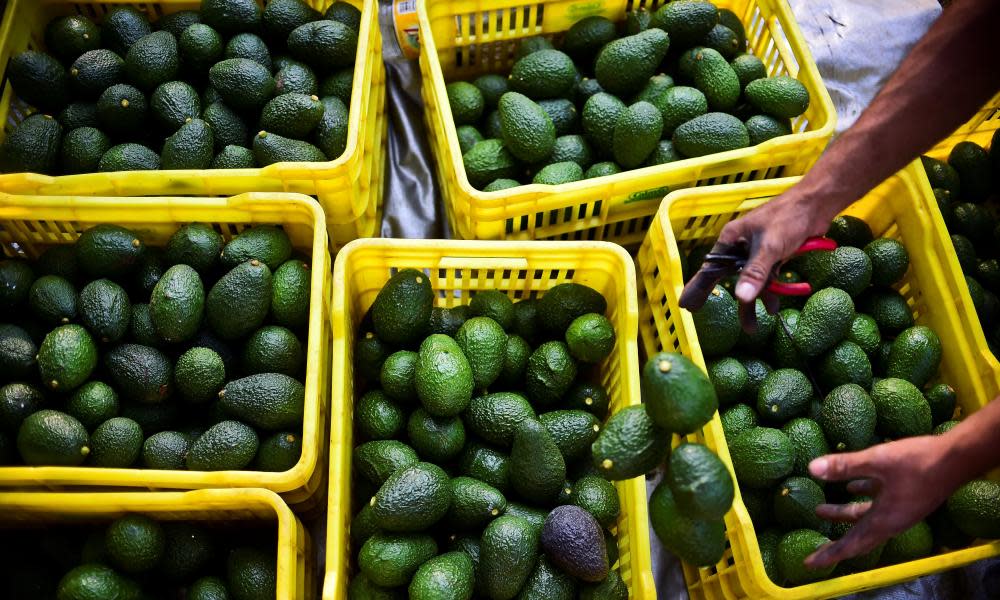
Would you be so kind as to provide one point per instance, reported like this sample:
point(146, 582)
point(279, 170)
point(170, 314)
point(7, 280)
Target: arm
point(908, 479)
point(945, 78)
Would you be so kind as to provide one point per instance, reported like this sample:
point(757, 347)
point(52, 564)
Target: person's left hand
point(907, 480)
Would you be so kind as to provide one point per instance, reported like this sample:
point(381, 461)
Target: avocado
point(599, 497)
point(116, 443)
point(515, 362)
point(70, 36)
point(590, 397)
point(93, 403)
point(900, 408)
point(225, 446)
point(339, 85)
point(537, 468)
point(32, 146)
point(795, 502)
point(466, 102)
point(50, 437)
point(508, 550)
point(474, 503)
point(412, 499)
point(678, 395)
point(233, 157)
point(716, 79)
point(331, 132)
point(390, 560)
point(972, 164)
point(973, 509)
point(688, 23)
point(439, 439)
point(295, 78)
point(941, 398)
point(199, 47)
point(762, 456)
point(496, 417)
point(377, 460)
point(573, 540)
point(888, 308)
point(825, 320)
point(280, 17)
point(864, 332)
point(108, 250)
point(227, 126)
point(793, 549)
point(82, 149)
point(915, 355)
point(599, 119)
point(488, 161)
point(369, 355)
point(324, 45)
point(122, 27)
point(623, 66)
point(630, 444)
point(845, 363)
point(559, 173)
point(140, 373)
point(129, 157)
point(38, 79)
point(572, 148)
point(397, 376)
point(544, 74)
point(188, 550)
point(243, 84)
point(177, 303)
point(77, 115)
point(151, 60)
point(275, 349)
point(710, 133)
point(196, 245)
point(487, 465)
point(782, 96)
point(52, 299)
point(447, 576)
point(240, 300)
point(484, 344)
point(847, 268)
point(697, 542)
point(725, 41)
point(166, 450)
point(443, 376)
point(491, 87)
point(269, 401)
point(636, 134)
point(66, 358)
point(468, 136)
point(551, 371)
point(912, 544)
point(173, 104)
point(199, 375)
point(612, 588)
point(808, 440)
point(848, 230)
point(889, 259)
point(17, 402)
point(585, 38)
point(699, 482)
point(190, 147)
point(94, 580)
point(573, 431)
point(252, 573)
point(249, 45)
point(528, 132)
point(548, 581)
point(730, 379)
point(105, 309)
point(679, 104)
point(378, 417)
point(737, 419)
point(279, 453)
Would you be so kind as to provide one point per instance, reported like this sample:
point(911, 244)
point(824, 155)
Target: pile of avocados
point(136, 556)
point(966, 188)
point(659, 87)
point(119, 355)
point(839, 371)
point(479, 437)
point(229, 86)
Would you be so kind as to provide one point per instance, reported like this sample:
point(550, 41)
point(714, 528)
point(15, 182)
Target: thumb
point(842, 467)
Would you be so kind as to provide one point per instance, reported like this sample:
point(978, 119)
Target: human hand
point(773, 232)
point(907, 480)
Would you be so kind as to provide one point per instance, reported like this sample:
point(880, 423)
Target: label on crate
point(404, 19)
point(653, 194)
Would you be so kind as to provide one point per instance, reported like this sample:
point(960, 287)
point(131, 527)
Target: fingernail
point(818, 467)
point(745, 291)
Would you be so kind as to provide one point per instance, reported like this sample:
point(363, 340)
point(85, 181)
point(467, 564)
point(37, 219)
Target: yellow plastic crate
point(29, 224)
point(456, 269)
point(461, 39)
point(348, 188)
point(902, 208)
point(48, 511)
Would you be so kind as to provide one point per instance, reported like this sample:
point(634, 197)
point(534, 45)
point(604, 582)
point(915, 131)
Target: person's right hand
point(773, 232)
point(907, 479)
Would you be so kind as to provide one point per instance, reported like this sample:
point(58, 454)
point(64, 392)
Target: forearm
point(972, 447)
point(944, 79)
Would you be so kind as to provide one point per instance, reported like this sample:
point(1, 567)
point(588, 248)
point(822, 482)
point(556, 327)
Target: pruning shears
point(725, 260)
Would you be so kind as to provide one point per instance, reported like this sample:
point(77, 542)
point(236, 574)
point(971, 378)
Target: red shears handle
point(802, 288)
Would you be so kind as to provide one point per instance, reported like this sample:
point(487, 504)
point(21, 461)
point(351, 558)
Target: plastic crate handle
point(512, 263)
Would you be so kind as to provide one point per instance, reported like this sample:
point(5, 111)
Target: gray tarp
point(856, 44)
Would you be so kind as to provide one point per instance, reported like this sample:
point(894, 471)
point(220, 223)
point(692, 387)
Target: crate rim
point(530, 193)
point(273, 170)
point(471, 250)
point(286, 481)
